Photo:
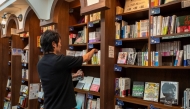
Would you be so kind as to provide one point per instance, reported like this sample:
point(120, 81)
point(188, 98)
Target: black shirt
point(55, 74)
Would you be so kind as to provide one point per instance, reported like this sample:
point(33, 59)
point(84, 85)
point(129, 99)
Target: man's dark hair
point(46, 40)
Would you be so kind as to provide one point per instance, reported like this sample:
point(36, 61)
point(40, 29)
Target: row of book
point(149, 90)
point(25, 74)
point(160, 2)
point(7, 105)
point(169, 25)
point(186, 99)
point(95, 36)
point(51, 27)
point(23, 101)
point(133, 58)
point(24, 90)
point(96, 58)
point(168, 48)
point(91, 103)
point(139, 29)
point(24, 34)
point(95, 16)
point(89, 84)
point(79, 38)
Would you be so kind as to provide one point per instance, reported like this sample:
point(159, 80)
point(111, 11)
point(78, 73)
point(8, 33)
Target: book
point(138, 89)
point(151, 91)
point(169, 92)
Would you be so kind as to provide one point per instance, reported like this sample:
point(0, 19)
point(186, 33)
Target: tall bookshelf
point(149, 73)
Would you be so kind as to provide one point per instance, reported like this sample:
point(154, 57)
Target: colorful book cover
point(151, 91)
point(122, 58)
point(138, 89)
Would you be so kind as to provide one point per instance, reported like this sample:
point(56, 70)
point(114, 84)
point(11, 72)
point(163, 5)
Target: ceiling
point(14, 7)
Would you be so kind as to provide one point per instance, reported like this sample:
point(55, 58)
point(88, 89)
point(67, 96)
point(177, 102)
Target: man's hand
point(79, 73)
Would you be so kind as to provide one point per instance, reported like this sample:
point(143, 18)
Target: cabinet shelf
point(154, 67)
point(91, 65)
point(87, 92)
point(145, 103)
point(143, 13)
point(134, 39)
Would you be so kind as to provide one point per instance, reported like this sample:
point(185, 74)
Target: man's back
point(55, 75)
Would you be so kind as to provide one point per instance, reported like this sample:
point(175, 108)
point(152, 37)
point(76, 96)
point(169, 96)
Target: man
point(55, 72)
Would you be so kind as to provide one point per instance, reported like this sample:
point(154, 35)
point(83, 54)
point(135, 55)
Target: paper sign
point(34, 89)
point(91, 2)
point(111, 51)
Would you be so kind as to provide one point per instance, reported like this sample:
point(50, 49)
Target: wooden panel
point(34, 31)
point(16, 76)
point(63, 19)
point(107, 64)
point(1, 76)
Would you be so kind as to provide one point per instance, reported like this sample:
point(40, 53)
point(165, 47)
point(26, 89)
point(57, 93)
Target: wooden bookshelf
point(87, 92)
point(134, 39)
point(145, 103)
point(75, 45)
point(154, 67)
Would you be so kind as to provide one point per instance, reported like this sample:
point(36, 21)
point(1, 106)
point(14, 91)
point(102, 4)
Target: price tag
point(155, 11)
point(117, 68)
point(118, 42)
point(90, 24)
point(71, 28)
point(90, 46)
point(120, 103)
point(90, 96)
point(71, 47)
point(154, 40)
point(118, 18)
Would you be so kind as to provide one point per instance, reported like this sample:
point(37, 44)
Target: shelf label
point(154, 40)
point(118, 18)
point(185, 3)
point(90, 24)
point(90, 46)
point(119, 102)
point(90, 96)
point(155, 11)
point(71, 47)
point(117, 68)
point(71, 28)
point(118, 42)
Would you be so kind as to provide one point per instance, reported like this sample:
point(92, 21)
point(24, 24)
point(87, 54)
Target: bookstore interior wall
point(142, 61)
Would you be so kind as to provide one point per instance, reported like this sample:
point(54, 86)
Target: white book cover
point(81, 83)
point(169, 92)
point(88, 83)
